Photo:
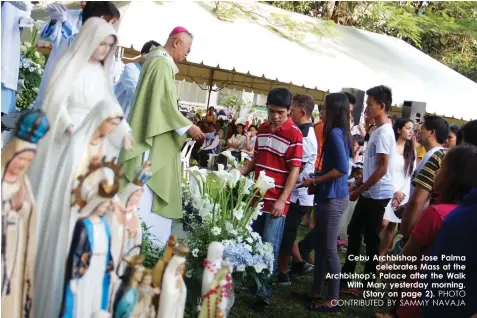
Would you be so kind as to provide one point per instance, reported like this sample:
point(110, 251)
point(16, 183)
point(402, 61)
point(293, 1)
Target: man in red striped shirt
point(278, 152)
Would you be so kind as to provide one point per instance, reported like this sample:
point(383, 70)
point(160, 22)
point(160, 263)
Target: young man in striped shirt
point(278, 152)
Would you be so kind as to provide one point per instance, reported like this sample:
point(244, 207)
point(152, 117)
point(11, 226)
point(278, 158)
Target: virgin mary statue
point(89, 143)
point(80, 80)
point(19, 217)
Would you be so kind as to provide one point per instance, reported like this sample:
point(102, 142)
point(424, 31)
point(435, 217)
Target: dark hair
point(337, 116)
point(304, 101)
point(230, 130)
point(439, 125)
point(395, 118)
point(351, 98)
point(461, 173)
point(382, 94)
point(253, 126)
point(148, 45)
point(468, 133)
point(359, 139)
point(454, 129)
point(243, 128)
point(409, 153)
point(281, 97)
point(320, 106)
point(105, 9)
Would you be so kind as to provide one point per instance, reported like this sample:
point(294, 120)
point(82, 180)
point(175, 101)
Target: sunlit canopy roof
point(260, 47)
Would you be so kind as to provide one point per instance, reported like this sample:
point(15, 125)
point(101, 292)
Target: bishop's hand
point(195, 133)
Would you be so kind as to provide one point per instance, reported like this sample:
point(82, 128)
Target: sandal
point(303, 295)
point(320, 306)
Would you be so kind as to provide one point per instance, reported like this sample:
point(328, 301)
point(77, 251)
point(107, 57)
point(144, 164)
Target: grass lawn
point(284, 305)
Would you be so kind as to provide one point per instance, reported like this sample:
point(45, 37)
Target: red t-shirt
point(424, 234)
point(429, 224)
point(275, 152)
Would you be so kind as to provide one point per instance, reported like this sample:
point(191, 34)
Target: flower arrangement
point(31, 70)
point(232, 162)
point(221, 206)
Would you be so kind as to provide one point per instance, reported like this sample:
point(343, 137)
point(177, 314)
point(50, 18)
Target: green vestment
point(154, 119)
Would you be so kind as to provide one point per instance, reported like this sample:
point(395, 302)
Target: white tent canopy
point(246, 54)
point(342, 57)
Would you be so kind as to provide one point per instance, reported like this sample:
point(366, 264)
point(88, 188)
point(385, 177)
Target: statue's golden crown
point(104, 189)
point(134, 260)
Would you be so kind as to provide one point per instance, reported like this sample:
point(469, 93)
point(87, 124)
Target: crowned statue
point(174, 291)
point(58, 213)
point(89, 263)
point(129, 198)
point(127, 296)
point(19, 216)
point(144, 307)
point(80, 80)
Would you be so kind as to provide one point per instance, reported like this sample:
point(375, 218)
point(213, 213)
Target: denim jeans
point(271, 231)
point(328, 220)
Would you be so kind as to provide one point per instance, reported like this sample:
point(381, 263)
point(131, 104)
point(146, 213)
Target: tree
point(447, 31)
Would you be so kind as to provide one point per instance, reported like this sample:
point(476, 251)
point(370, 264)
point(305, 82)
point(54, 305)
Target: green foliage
point(281, 24)
point(446, 30)
point(231, 99)
point(151, 251)
point(31, 69)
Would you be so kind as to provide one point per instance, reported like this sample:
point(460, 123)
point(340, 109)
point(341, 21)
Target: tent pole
point(211, 82)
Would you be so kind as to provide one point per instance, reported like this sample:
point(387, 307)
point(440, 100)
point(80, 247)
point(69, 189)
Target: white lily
point(258, 211)
point(203, 174)
point(228, 155)
point(194, 171)
point(264, 183)
point(234, 175)
point(222, 174)
point(39, 24)
point(238, 213)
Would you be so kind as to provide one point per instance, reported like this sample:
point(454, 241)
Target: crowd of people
point(403, 195)
point(223, 133)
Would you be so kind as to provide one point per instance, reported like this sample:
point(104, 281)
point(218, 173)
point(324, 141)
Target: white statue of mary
point(59, 218)
point(79, 81)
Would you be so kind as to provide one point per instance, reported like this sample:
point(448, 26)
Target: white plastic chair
point(185, 155)
point(211, 161)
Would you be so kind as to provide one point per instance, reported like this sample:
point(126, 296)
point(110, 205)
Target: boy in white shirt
point(376, 188)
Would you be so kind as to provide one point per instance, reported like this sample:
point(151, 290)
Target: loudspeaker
point(414, 110)
point(359, 106)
